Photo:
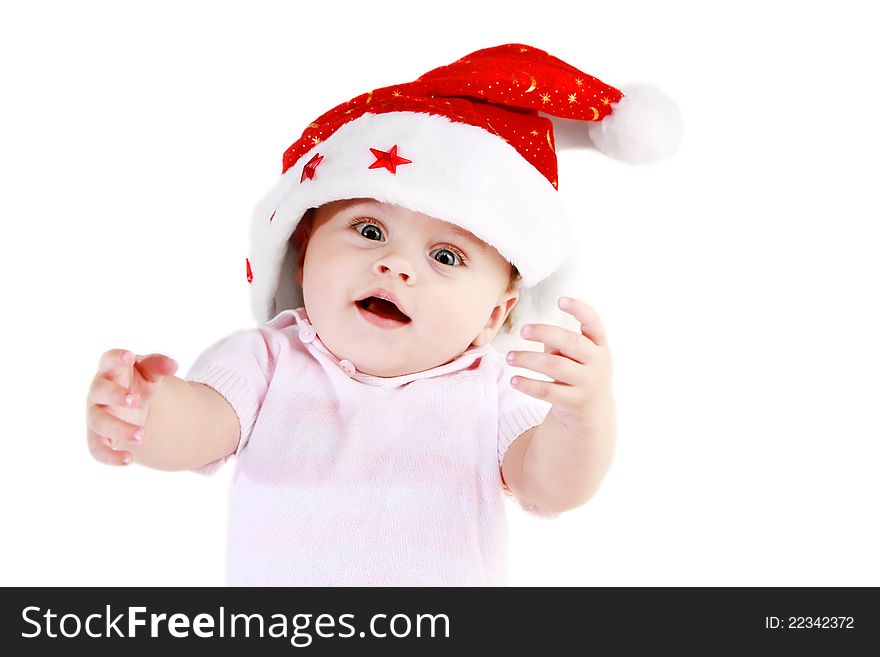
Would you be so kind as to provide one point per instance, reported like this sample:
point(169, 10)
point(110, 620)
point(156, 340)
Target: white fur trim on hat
point(459, 173)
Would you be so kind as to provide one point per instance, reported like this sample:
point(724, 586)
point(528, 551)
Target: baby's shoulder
point(281, 335)
point(281, 328)
point(491, 365)
point(265, 342)
point(283, 320)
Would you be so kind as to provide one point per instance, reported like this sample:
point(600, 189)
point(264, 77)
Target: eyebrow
point(467, 235)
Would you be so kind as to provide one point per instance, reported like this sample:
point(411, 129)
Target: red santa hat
point(470, 143)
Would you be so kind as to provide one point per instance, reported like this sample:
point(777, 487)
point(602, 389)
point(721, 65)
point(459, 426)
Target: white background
point(738, 281)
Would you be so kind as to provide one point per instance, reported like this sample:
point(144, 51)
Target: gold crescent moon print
point(533, 83)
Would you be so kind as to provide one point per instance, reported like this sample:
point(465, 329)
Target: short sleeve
point(239, 367)
point(517, 413)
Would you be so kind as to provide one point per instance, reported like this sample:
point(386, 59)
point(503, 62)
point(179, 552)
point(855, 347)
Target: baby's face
point(356, 246)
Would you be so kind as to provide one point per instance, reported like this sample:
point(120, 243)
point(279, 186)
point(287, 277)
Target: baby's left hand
point(579, 363)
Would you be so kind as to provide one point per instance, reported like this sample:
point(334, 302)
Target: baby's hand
point(118, 403)
point(579, 363)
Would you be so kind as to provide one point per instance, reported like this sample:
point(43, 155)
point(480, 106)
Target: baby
point(375, 426)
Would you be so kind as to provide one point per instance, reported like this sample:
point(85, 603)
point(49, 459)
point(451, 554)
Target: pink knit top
point(347, 479)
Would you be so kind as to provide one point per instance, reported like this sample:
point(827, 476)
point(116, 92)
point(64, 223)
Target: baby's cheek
point(453, 332)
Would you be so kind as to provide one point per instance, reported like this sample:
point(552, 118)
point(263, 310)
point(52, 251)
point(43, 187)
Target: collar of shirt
point(309, 337)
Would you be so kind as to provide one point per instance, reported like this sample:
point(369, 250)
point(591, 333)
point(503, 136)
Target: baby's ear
point(497, 318)
point(303, 230)
point(510, 302)
point(300, 240)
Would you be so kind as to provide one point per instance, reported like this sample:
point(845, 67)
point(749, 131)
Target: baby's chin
point(402, 369)
point(382, 368)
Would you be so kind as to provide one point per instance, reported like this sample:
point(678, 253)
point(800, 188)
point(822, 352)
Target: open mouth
point(383, 308)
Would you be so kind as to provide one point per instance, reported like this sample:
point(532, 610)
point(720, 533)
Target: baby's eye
point(447, 255)
point(369, 229)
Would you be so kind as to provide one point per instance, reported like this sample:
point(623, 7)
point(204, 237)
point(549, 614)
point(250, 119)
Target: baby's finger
point(120, 432)
point(99, 448)
point(148, 373)
point(114, 363)
point(559, 340)
point(559, 368)
point(591, 323)
point(549, 391)
point(108, 393)
point(155, 366)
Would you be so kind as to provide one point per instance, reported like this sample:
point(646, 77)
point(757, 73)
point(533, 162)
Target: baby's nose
point(396, 266)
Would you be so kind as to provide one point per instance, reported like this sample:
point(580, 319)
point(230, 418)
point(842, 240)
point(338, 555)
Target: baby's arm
point(185, 424)
point(189, 425)
point(561, 463)
point(558, 469)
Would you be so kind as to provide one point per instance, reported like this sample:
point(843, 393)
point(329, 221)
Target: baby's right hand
point(118, 403)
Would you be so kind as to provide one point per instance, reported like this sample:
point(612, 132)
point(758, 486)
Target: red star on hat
point(389, 160)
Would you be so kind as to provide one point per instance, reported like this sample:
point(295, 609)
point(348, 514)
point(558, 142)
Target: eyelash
point(354, 223)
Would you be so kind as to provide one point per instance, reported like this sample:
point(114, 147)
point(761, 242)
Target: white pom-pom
point(644, 126)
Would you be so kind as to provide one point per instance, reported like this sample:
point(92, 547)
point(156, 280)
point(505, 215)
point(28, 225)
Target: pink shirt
point(347, 479)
